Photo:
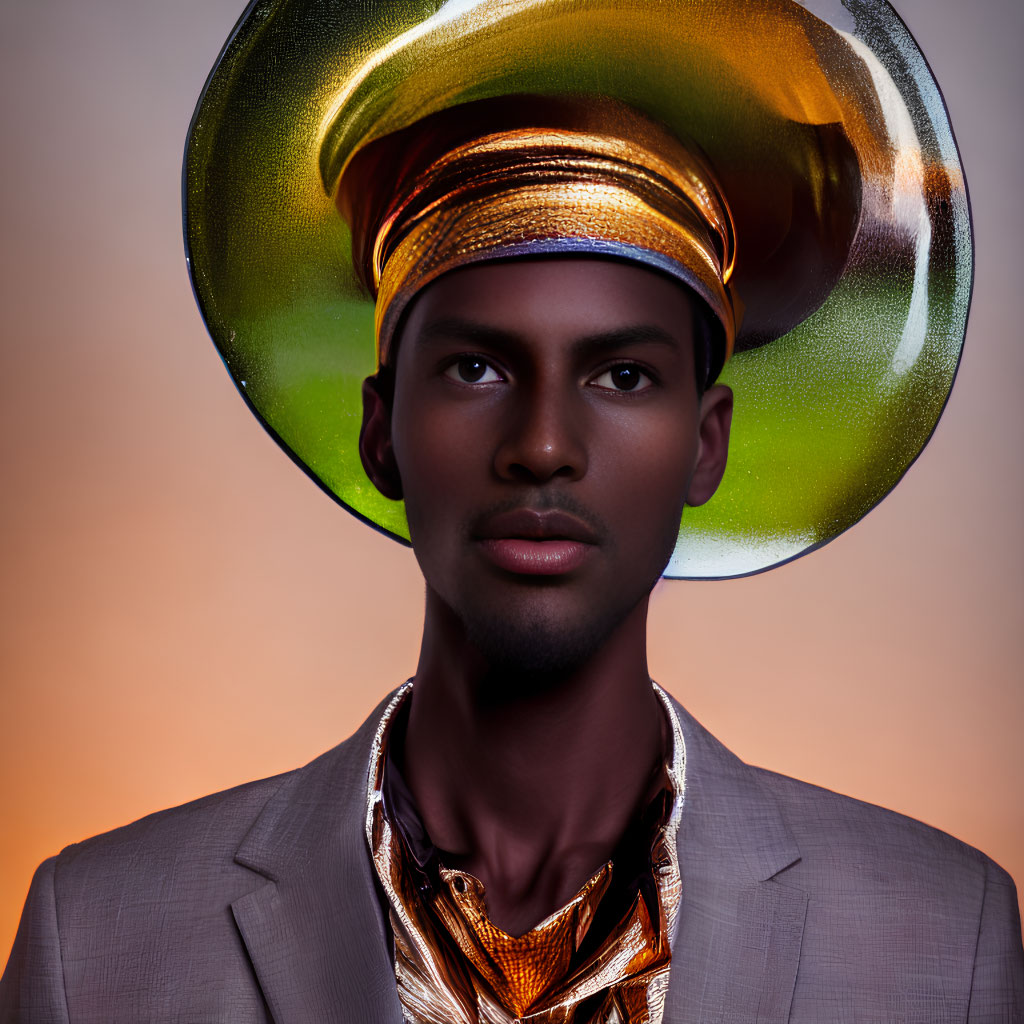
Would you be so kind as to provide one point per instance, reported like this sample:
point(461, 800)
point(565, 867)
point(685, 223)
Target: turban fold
point(527, 176)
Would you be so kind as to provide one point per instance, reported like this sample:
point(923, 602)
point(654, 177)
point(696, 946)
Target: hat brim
point(828, 417)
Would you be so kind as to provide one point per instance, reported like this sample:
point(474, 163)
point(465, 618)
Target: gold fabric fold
point(520, 970)
point(454, 966)
point(552, 176)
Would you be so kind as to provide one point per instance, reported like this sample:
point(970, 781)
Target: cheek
point(654, 453)
point(647, 480)
point(440, 459)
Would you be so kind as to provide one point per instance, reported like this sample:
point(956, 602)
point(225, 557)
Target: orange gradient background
point(183, 610)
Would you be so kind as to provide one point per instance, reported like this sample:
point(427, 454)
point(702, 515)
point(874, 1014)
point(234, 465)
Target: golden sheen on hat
point(792, 164)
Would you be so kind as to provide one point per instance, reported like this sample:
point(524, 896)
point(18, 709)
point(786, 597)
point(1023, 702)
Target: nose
point(543, 437)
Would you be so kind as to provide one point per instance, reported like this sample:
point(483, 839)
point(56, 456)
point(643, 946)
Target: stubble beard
point(528, 652)
point(525, 645)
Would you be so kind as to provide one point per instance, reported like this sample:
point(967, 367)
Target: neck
point(531, 787)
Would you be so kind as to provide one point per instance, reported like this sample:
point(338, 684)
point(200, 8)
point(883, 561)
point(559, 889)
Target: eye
point(472, 370)
point(624, 377)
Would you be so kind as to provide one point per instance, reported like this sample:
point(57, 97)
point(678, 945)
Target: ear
point(375, 449)
point(713, 450)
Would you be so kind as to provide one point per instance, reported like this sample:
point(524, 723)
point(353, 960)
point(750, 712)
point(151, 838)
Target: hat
point(819, 124)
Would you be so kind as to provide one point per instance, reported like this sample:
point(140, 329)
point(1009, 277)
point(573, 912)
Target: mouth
point(548, 542)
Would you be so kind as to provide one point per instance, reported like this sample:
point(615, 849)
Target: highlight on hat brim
point(828, 417)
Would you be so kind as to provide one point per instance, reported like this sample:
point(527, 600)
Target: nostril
point(542, 440)
point(534, 472)
point(519, 459)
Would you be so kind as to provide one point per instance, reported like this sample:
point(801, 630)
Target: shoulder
point(911, 901)
point(879, 847)
point(878, 877)
point(891, 879)
point(832, 839)
point(120, 920)
point(206, 832)
point(146, 893)
point(188, 857)
point(896, 913)
point(195, 845)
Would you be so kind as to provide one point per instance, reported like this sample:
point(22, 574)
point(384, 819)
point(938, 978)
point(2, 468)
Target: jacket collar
point(315, 931)
point(740, 926)
point(317, 938)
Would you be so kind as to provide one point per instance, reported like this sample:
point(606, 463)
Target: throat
point(532, 796)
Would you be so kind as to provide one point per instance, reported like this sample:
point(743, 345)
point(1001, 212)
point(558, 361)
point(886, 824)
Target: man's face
point(545, 434)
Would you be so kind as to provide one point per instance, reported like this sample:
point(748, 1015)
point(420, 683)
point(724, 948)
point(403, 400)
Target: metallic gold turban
point(791, 162)
point(530, 176)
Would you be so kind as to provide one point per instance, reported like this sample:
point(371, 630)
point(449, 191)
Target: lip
point(535, 524)
point(532, 542)
point(536, 557)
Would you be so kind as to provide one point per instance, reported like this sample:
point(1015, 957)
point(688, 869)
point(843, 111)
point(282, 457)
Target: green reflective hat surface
point(828, 415)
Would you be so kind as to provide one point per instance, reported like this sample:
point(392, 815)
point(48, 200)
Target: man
point(552, 838)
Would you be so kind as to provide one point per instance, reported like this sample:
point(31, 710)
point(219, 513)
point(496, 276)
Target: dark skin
point(545, 431)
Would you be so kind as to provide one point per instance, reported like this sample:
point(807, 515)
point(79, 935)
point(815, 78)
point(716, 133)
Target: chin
point(532, 649)
point(539, 653)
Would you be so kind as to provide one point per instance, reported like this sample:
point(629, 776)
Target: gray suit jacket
point(258, 904)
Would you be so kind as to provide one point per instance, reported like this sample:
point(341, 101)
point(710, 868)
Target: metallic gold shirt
point(454, 966)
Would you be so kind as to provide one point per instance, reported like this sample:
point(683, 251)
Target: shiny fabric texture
point(453, 966)
point(819, 121)
point(530, 176)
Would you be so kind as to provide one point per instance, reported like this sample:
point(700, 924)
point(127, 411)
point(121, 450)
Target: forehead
point(553, 299)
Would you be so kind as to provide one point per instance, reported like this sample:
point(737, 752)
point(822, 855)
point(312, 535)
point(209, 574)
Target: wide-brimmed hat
point(820, 122)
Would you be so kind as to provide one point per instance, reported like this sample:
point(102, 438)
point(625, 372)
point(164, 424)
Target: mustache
point(542, 502)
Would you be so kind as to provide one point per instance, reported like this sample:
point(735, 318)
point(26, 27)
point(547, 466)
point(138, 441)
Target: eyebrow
point(456, 328)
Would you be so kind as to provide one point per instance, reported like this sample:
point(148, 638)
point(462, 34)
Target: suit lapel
point(319, 944)
point(314, 930)
point(736, 955)
point(737, 943)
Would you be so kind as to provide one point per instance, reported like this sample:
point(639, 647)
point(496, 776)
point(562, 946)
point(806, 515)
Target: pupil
point(471, 370)
point(626, 377)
